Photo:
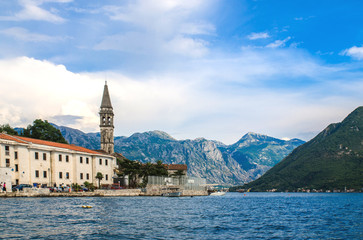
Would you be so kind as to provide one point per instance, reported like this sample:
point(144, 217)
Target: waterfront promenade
point(39, 192)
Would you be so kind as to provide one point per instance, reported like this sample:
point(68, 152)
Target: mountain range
point(238, 163)
point(331, 160)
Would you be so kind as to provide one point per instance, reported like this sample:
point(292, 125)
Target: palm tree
point(99, 176)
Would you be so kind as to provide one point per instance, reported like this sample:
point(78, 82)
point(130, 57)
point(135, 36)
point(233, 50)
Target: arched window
point(109, 120)
point(104, 120)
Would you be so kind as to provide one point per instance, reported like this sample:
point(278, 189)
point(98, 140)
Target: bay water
point(232, 216)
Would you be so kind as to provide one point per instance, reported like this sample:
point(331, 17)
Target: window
point(106, 177)
point(44, 156)
point(15, 155)
point(7, 150)
point(100, 161)
point(36, 155)
point(44, 174)
point(67, 158)
point(60, 157)
point(106, 162)
point(87, 161)
point(36, 173)
point(67, 175)
point(16, 168)
point(81, 176)
point(60, 175)
point(7, 161)
point(16, 181)
point(80, 159)
point(87, 176)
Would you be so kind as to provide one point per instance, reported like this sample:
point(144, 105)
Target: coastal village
point(34, 167)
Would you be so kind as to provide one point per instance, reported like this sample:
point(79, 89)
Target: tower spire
point(106, 100)
point(106, 122)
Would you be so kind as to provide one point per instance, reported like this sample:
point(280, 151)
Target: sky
point(204, 68)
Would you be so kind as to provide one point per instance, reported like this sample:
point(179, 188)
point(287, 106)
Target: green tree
point(8, 129)
point(160, 169)
point(76, 187)
point(99, 176)
point(89, 185)
point(132, 169)
point(44, 131)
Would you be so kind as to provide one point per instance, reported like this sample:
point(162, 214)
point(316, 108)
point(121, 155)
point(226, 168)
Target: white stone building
point(48, 163)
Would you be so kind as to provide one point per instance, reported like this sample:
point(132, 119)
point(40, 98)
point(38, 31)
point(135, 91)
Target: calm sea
point(233, 216)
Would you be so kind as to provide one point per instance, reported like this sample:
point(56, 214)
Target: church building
point(32, 161)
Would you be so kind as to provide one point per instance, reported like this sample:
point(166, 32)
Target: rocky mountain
point(331, 160)
point(238, 163)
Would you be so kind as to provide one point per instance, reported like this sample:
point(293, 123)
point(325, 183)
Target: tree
point(160, 169)
point(99, 176)
point(44, 131)
point(89, 185)
point(132, 169)
point(9, 130)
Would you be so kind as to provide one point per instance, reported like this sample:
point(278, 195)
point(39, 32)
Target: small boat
point(172, 194)
point(218, 193)
point(86, 206)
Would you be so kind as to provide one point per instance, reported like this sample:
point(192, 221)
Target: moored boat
point(218, 193)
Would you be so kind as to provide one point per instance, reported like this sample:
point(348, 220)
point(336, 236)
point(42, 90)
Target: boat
point(172, 194)
point(218, 193)
point(86, 206)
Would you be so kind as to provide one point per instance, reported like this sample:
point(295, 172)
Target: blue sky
point(204, 68)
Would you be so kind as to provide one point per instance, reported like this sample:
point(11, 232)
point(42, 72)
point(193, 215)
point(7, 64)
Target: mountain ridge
point(217, 162)
point(332, 159)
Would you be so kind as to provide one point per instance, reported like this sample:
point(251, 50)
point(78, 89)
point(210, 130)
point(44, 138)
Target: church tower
point(106, 122)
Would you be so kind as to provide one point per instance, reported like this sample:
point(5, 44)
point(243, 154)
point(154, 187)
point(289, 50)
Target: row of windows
point(61, 174)
point(7, 152)
point(60, 157)
point(81, 160)
point(81, 176)
point(37, 174)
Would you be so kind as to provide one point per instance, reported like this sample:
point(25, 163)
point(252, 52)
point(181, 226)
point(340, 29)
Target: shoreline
point(96, 193)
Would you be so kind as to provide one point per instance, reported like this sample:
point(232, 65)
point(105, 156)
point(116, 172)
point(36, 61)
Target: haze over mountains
point(233, 164)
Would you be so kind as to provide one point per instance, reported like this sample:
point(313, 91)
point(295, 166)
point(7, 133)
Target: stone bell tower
point(106, 122)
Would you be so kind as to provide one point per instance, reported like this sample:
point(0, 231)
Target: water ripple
point(233, 216)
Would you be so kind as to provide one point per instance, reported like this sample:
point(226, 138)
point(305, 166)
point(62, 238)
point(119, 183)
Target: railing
point(189, 183)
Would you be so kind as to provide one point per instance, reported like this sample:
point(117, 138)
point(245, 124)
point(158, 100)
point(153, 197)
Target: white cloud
point(278, 43)
point(40, 89)
point(354, 52)
point(218, 99)
point(24, 35)
point(31, 10)
point(261, 35)
point(182, 33)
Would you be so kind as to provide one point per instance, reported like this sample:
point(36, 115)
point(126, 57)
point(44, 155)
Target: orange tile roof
point(177, 167)
point(21, 139)
point(11, 138)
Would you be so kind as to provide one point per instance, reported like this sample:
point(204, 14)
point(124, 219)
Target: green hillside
point(331, 160)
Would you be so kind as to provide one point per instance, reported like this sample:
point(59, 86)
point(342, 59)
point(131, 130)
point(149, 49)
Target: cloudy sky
point(201, 68)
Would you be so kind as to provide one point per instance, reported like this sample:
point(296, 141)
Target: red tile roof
point(11, 138)
point(26, 140)
point(177, 167)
